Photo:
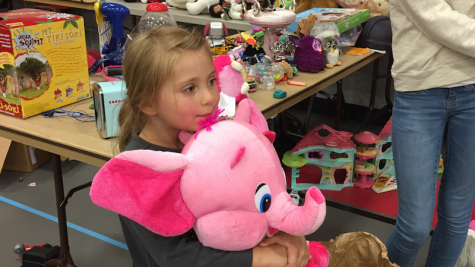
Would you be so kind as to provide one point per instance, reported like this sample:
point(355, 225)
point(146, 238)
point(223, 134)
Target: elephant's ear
point(248, 112)
point(144, 186)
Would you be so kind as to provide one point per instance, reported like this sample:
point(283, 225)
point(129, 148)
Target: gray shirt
point(148, 249)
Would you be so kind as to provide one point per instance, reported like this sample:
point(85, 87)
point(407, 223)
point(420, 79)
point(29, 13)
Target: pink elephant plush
point(227, 183)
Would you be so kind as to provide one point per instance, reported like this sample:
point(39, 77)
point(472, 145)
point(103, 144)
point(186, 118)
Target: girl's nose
point(207, 97)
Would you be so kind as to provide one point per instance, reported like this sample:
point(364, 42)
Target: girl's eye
point(212, 82)
point(189, 89)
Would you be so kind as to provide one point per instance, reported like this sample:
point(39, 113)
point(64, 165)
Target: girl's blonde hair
point(147, 65)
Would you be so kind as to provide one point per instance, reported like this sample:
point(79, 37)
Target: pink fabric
point(250, 113)
point(386, 130)
point(339, 139)
point(219, 63)
point(223, 200)
point(155, 161)
point(472, 225)
point(240, 97)
point(242, 234)
point(319, 253)
point(287, 217)
point(210, 120)
point(270, 135)
point(228, 79)
point(237, 157)
point(148, 197)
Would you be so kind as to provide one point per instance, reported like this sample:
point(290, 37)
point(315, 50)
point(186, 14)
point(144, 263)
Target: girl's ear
point(147, 108)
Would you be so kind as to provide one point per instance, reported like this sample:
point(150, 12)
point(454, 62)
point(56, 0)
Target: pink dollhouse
point(326, 156)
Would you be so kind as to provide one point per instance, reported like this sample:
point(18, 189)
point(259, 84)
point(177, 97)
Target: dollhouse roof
point(367, 138)
point(337, 139)
point(386, 130)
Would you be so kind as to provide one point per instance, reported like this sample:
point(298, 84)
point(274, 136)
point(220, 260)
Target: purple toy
point(309, 55)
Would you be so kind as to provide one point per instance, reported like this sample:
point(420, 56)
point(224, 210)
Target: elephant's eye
point(262, 198)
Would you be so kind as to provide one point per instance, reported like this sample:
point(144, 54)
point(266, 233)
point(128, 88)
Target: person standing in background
point(434, 75)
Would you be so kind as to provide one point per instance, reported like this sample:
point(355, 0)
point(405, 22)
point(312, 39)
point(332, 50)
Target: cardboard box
point(344, 18)
point(19, 157)
point(43, 61)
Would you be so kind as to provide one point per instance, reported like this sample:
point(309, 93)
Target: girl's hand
point(297, 248)
point(269, 256)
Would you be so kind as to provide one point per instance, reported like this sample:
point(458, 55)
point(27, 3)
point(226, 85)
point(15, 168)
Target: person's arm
point(437, 20)
point(181, 251)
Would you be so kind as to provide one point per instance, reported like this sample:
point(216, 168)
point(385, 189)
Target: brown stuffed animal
point(303, 5)
point(377, 7)
point(288, 70)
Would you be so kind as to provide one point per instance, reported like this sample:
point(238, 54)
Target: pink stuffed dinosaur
point(227, 183)
point(231, 84)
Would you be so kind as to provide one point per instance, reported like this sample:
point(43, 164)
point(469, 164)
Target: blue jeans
point(419, 122)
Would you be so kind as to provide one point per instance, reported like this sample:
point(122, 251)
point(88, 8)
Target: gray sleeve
point(181, 251)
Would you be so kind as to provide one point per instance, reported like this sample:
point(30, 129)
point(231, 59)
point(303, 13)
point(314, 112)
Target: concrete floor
point(18, 225)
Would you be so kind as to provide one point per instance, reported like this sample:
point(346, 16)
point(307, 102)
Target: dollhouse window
point(323, 133)
point(340, 175)
point(385, 147)
point(316, 154)
point(335, 155)
point(382, 164)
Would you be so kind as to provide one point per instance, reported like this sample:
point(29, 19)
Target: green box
point(344, 18)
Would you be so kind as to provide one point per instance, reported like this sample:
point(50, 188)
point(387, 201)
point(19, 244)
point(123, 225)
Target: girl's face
point(189, 95)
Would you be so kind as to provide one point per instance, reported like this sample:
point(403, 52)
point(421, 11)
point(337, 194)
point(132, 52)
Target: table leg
point(309, 114)
point(64, 259)
point(338, 104)
point(374, 84)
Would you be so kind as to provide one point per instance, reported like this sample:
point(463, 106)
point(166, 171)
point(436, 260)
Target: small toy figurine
point(215, 33)
point(309, 55)
point(331, 50)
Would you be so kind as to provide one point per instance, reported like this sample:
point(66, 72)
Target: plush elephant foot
point(338, 63)
point(329, 66)
point(319, 253)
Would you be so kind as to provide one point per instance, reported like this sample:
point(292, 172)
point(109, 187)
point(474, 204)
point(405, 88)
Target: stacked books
point(384, 183)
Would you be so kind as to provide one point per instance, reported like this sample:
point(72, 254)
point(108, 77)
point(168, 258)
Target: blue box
point(108, 98)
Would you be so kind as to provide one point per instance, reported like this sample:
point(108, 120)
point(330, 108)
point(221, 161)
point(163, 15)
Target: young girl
point(170, 87)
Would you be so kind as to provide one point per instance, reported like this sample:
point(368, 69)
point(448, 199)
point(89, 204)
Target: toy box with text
point(43, 61)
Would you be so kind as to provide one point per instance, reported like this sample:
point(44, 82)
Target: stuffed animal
point(231, 84)
point(181, 4)
point(331, 50)
point(288, 70)
point(227, 184)
point(309, 55)
point(227, 9)
point(195, 8)
point(303, 5)
point(467, 257)
point(377, 7)
point(350, 3)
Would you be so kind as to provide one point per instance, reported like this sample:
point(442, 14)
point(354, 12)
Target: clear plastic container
point(267, 81)
point(156, 15)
